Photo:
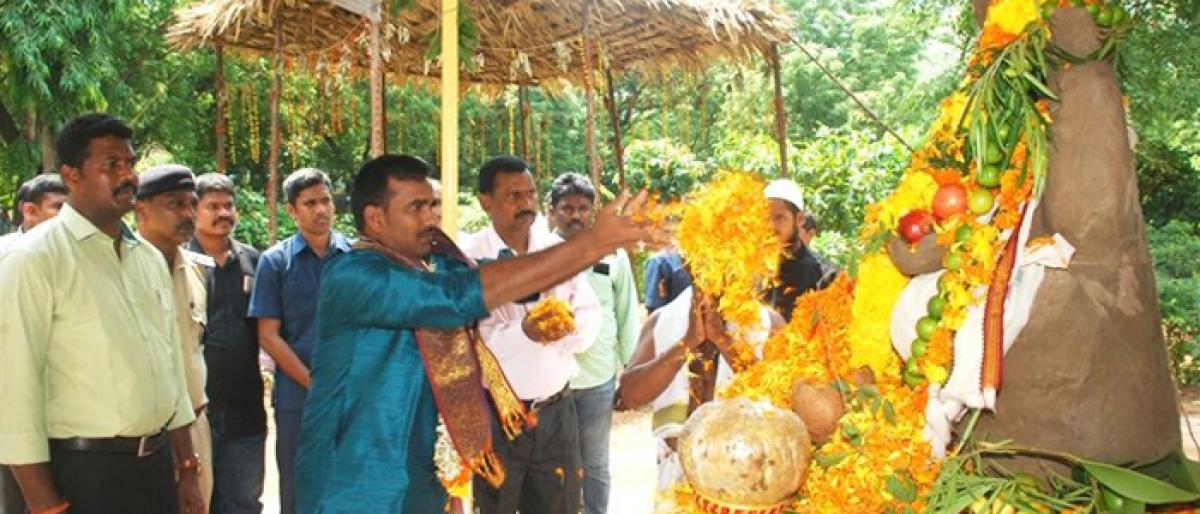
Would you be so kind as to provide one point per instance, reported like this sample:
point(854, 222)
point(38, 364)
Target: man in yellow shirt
point(94, 404)
point(166, 217)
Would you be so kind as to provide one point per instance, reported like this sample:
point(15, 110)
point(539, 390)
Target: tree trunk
point(49, 151)
point(8, 126)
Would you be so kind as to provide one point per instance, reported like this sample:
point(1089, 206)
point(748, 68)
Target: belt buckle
point(142, 450)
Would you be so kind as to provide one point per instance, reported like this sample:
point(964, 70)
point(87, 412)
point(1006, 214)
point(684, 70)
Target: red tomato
point(949, 200)
point(914, 225)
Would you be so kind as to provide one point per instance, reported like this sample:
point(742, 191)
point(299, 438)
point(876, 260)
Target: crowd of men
point(130, 379)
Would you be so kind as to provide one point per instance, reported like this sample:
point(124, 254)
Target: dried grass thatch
point(520, 41)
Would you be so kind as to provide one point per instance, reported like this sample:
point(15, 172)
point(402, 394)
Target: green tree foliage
point(1174, 248)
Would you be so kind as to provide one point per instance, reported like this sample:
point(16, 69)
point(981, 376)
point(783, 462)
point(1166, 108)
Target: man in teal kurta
point(369, 374)
point(369, 428)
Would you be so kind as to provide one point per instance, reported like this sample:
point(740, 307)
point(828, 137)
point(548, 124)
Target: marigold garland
point(728, 245)
point(554, 318)
point(879, 286)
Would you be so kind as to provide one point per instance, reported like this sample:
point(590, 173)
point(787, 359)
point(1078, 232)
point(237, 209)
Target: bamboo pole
point(449, 117)
point(615, 119)
point(221, 128)
point(273, 157)
point(376, 89)
point(589, 90)
point(780, 116)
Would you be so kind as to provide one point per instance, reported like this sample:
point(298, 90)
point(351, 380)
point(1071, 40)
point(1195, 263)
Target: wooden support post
point(276, 138)
point(780, 116)
point(387, 129)
point(219, 90)
point(449, 117)
point(589, 89)
point(376, 88)
point(610, 102)
point(523, 103)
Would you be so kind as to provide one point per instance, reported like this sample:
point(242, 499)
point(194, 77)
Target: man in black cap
point(94, 406)
point(166, 217)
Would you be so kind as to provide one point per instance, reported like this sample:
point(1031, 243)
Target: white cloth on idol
point(535, 370)
point(963, 388)
point(672, 325)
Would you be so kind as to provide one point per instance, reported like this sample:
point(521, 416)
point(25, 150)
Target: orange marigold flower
point(946, 176)
point(728, 244)
point(554, 318)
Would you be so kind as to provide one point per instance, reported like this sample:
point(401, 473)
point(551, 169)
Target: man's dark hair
point(302, 179)
point(213, 183)
point(74, 138)
point(810, 222)
point(34, 189)
point(571, 183)
point(371, 183)
point(37, 187)
point(498, 164)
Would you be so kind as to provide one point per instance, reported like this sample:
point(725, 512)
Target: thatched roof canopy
point(650, 35)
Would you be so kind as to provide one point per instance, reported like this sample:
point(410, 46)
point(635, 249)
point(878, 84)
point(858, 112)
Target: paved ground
point(632, 467)
point(633, 460)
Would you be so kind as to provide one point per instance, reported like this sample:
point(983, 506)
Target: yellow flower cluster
point(1007, 20)
point(728, 245)
point(879, 286)
point(915, 191)
point(554, 318)
point(811, 348)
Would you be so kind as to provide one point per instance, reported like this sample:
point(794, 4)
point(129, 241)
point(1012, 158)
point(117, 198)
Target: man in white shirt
point(542, 466)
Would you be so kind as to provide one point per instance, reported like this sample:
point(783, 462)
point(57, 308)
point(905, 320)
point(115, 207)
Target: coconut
point(820, 407)
point(862, 376)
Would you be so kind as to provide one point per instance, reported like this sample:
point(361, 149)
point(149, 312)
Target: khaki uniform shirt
point(189, 276)
point(89, 346)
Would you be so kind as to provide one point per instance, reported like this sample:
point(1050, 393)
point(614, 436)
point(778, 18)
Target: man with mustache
point(400, 346)
point(166, 217)
point(38, 199)
point(285, 303)
point(572, 206)
point(543, 467)
point(235, 388)
point(94, 411)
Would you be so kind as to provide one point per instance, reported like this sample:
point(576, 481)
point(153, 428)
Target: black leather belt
point(536, 405)
point(144, 446)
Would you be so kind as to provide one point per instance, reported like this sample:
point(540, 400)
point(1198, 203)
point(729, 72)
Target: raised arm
point(511, 279)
